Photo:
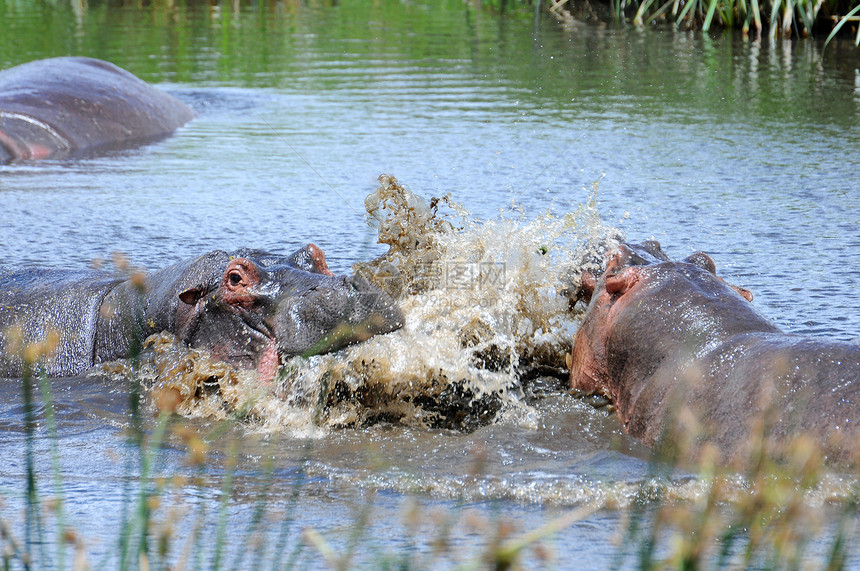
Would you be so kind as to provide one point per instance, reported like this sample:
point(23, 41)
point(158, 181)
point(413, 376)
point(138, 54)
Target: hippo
point(249, 308)
point(673, 346)
point(64, 106)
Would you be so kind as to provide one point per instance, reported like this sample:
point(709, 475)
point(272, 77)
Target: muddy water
point(749, 151)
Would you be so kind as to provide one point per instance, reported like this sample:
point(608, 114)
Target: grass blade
point(51, 423)
point(711, 9)
point(841, 23)
point(756, 17)
point(687, 8)
point(637, 19)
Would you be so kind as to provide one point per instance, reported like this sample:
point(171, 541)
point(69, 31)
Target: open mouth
point(45, 140)
point(257, 327)
point(270, 362)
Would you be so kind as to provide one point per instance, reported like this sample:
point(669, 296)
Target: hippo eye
point(235, 278)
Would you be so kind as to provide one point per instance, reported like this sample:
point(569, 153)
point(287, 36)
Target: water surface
point(747, 150)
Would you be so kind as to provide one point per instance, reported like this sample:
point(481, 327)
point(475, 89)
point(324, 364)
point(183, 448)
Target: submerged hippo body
point(248, 308)
point(663, 339)
point(63, 106)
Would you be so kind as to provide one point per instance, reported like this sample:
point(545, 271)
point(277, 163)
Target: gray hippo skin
point(660, 338)
point(62, 106)
point(248, 308)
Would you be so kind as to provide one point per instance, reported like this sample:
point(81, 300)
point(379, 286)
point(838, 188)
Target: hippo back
point(60, 105)
point(687, 359)
point(36, 302)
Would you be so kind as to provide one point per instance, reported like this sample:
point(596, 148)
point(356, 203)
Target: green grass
point(774, 18)
point(761, 516)
point(758, 518)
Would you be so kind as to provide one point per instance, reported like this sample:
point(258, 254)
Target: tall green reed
point(778, 18)
point(33, 529)
point(138, 545)
point(758, 514)
point(761, 522)
point(851, 16)
point(764, 521)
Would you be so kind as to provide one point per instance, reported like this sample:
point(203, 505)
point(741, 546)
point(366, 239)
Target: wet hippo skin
point(249, 308)
point(65, 106)
point(684, 355)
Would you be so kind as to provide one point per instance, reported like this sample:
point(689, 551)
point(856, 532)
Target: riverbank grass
point(775, 514)
point(771, 18)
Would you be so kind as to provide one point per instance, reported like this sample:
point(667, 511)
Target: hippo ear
point(745, 293)
point(654, 248)
point(192, 295)
point(311, 259)
point(586, 290)
point(703, 261)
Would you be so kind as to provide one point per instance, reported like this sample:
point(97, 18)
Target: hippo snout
point(332, 315)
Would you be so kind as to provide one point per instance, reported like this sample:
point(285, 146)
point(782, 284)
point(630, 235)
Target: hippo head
point(640, 291)
point(252, 308)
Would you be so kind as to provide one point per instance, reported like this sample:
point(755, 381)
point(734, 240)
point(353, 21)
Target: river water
point(550, 135)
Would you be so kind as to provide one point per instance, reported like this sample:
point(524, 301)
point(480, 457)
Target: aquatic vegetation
point(850, 17)
point(489, 331)
point(153, 532)
point(776, 18)
point(768, 517)
point(773, 18)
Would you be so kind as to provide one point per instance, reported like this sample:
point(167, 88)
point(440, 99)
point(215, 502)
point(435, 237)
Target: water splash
point(489, 319)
